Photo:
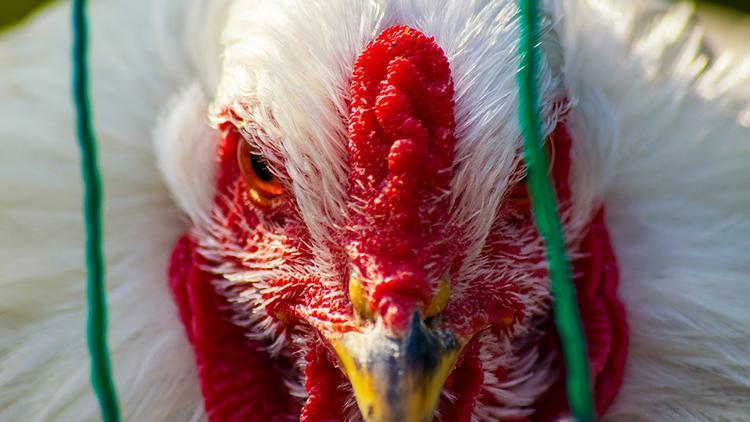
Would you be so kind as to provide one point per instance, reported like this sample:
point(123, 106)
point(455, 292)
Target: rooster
point(317, 210)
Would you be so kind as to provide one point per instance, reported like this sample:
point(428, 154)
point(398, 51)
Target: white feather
point(657, 136)
point(186, 147)
point(137, 63)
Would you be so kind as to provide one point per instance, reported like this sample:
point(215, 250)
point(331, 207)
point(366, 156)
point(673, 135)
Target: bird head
point(371, 224)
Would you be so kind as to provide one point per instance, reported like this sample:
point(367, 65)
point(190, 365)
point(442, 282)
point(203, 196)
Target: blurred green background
point(737, 4)
point(731, 13)
point(13, 10)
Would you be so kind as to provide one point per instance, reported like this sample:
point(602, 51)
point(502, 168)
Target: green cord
point(548, 223)
point(101, 374)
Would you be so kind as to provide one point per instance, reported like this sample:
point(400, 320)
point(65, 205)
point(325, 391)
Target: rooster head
point(371, 236)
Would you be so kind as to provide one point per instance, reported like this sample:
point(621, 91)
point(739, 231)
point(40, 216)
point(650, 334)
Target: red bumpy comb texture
point(401, 142)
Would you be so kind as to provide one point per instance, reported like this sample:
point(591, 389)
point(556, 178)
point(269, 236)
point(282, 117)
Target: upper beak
point(398, 379)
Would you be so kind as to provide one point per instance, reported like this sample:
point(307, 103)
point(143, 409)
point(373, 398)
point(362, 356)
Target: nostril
point(428, 321)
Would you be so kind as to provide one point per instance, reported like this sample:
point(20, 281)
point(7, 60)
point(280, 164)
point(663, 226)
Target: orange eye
point(519, 196)
point(264, 187)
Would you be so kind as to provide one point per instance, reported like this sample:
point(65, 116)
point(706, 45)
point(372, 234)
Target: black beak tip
point(421, 348)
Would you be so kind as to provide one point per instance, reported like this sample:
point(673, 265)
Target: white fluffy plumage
point(661, 137)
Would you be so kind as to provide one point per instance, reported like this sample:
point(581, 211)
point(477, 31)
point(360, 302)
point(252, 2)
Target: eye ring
point(264, 188)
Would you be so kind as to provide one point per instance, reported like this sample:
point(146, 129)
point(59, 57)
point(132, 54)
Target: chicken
point(317, 211)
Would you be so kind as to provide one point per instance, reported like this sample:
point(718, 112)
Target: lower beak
point(397, 379)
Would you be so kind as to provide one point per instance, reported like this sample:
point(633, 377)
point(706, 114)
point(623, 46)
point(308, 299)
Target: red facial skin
point(400, 240)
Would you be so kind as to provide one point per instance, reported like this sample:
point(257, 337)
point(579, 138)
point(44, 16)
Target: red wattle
point(605, 326)
point(326, 397)
point(238, 379)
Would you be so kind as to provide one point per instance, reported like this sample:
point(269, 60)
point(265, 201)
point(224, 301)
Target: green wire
point(544, 205)
point(101, 374)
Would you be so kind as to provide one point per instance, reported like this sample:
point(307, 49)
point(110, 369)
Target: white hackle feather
point(657, 136)
point(660, 135)
point(140, 57)
point(185, 153)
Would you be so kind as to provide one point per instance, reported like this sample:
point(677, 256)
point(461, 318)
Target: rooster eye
point(519, 196)
point(264, 187)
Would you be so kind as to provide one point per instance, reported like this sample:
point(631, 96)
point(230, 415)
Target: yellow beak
point(397, 379)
